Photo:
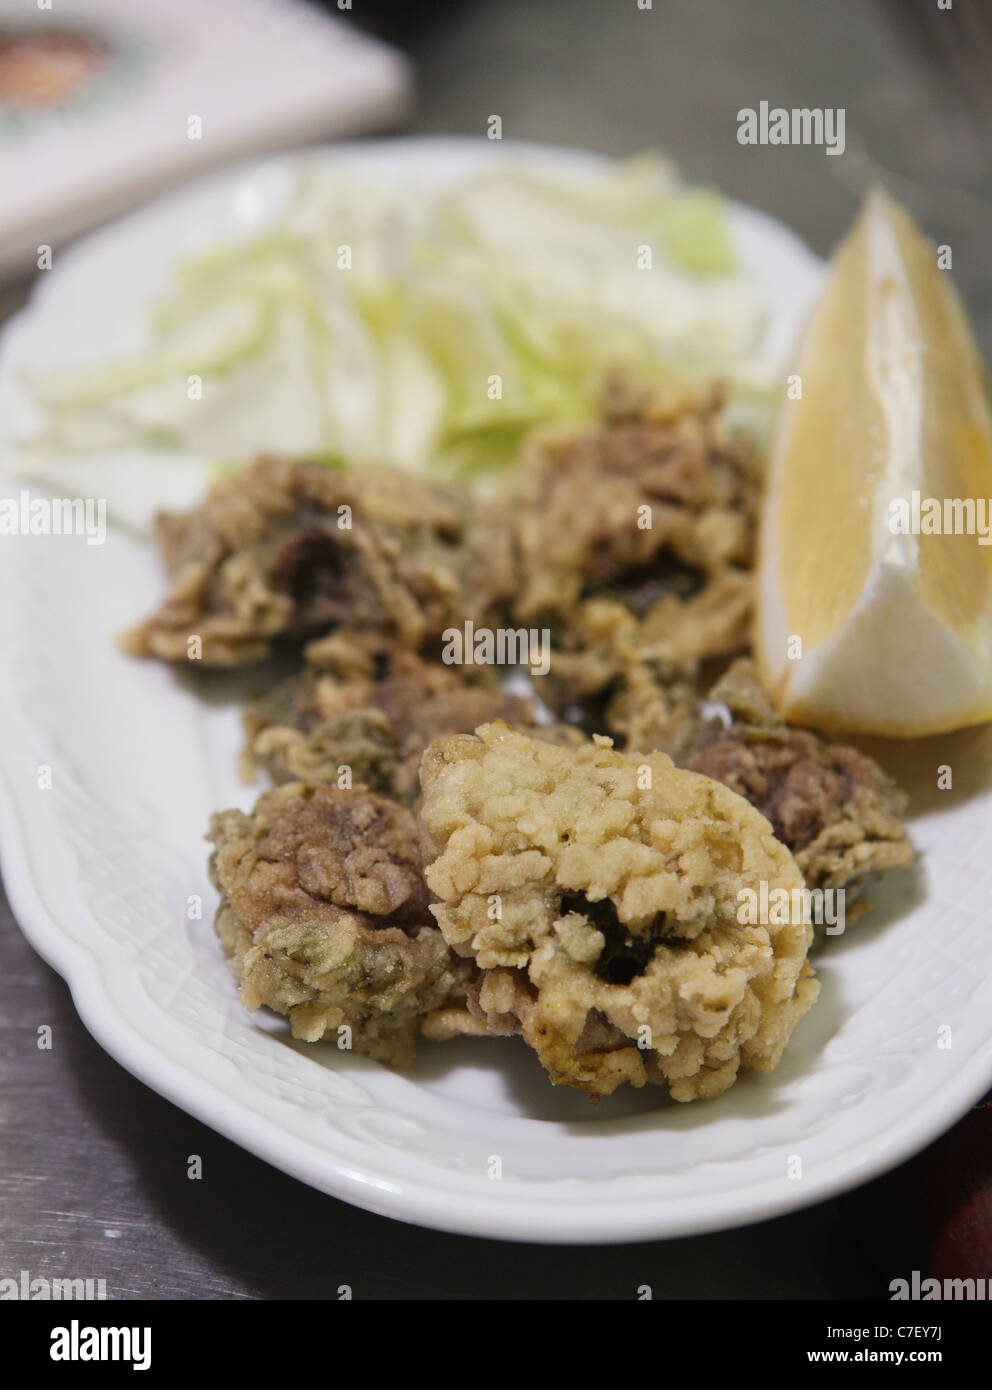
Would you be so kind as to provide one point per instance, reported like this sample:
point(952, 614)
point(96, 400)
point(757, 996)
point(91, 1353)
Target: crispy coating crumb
point(599, 893)
point(839, 813)
point(656, 508)
point(324, 917)
point(291, 549)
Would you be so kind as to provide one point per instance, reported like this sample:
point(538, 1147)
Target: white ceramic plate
point(100, 869)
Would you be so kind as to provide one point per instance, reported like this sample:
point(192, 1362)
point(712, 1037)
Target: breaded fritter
point(292, 549)
point(324, 917)
point(372, 707)
point(600, 895)
point(656, 509)
point(839, 813)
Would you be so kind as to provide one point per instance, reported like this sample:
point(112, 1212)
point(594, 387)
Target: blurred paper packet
point(103, 102)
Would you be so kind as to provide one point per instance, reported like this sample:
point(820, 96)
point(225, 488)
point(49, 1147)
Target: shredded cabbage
point(469, 314)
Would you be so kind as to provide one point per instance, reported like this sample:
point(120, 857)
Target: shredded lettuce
point(468, 314)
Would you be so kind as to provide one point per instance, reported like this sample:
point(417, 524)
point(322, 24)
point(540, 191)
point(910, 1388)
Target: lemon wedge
point(875, 573)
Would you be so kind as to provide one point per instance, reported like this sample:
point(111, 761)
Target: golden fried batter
point(324, 917)
point(600, 894)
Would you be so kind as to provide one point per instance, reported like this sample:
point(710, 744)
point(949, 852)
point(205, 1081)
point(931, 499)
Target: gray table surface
point(92, 1164)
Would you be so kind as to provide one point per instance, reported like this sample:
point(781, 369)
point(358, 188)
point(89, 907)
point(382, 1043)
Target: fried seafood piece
point(835, 808)
point(655, 508)
point(374, 715)
point(611, 676)
point(291, 549)
point(599, 894)
point(324, 917)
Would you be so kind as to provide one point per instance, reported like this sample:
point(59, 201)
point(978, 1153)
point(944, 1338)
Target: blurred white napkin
point(105, 101)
